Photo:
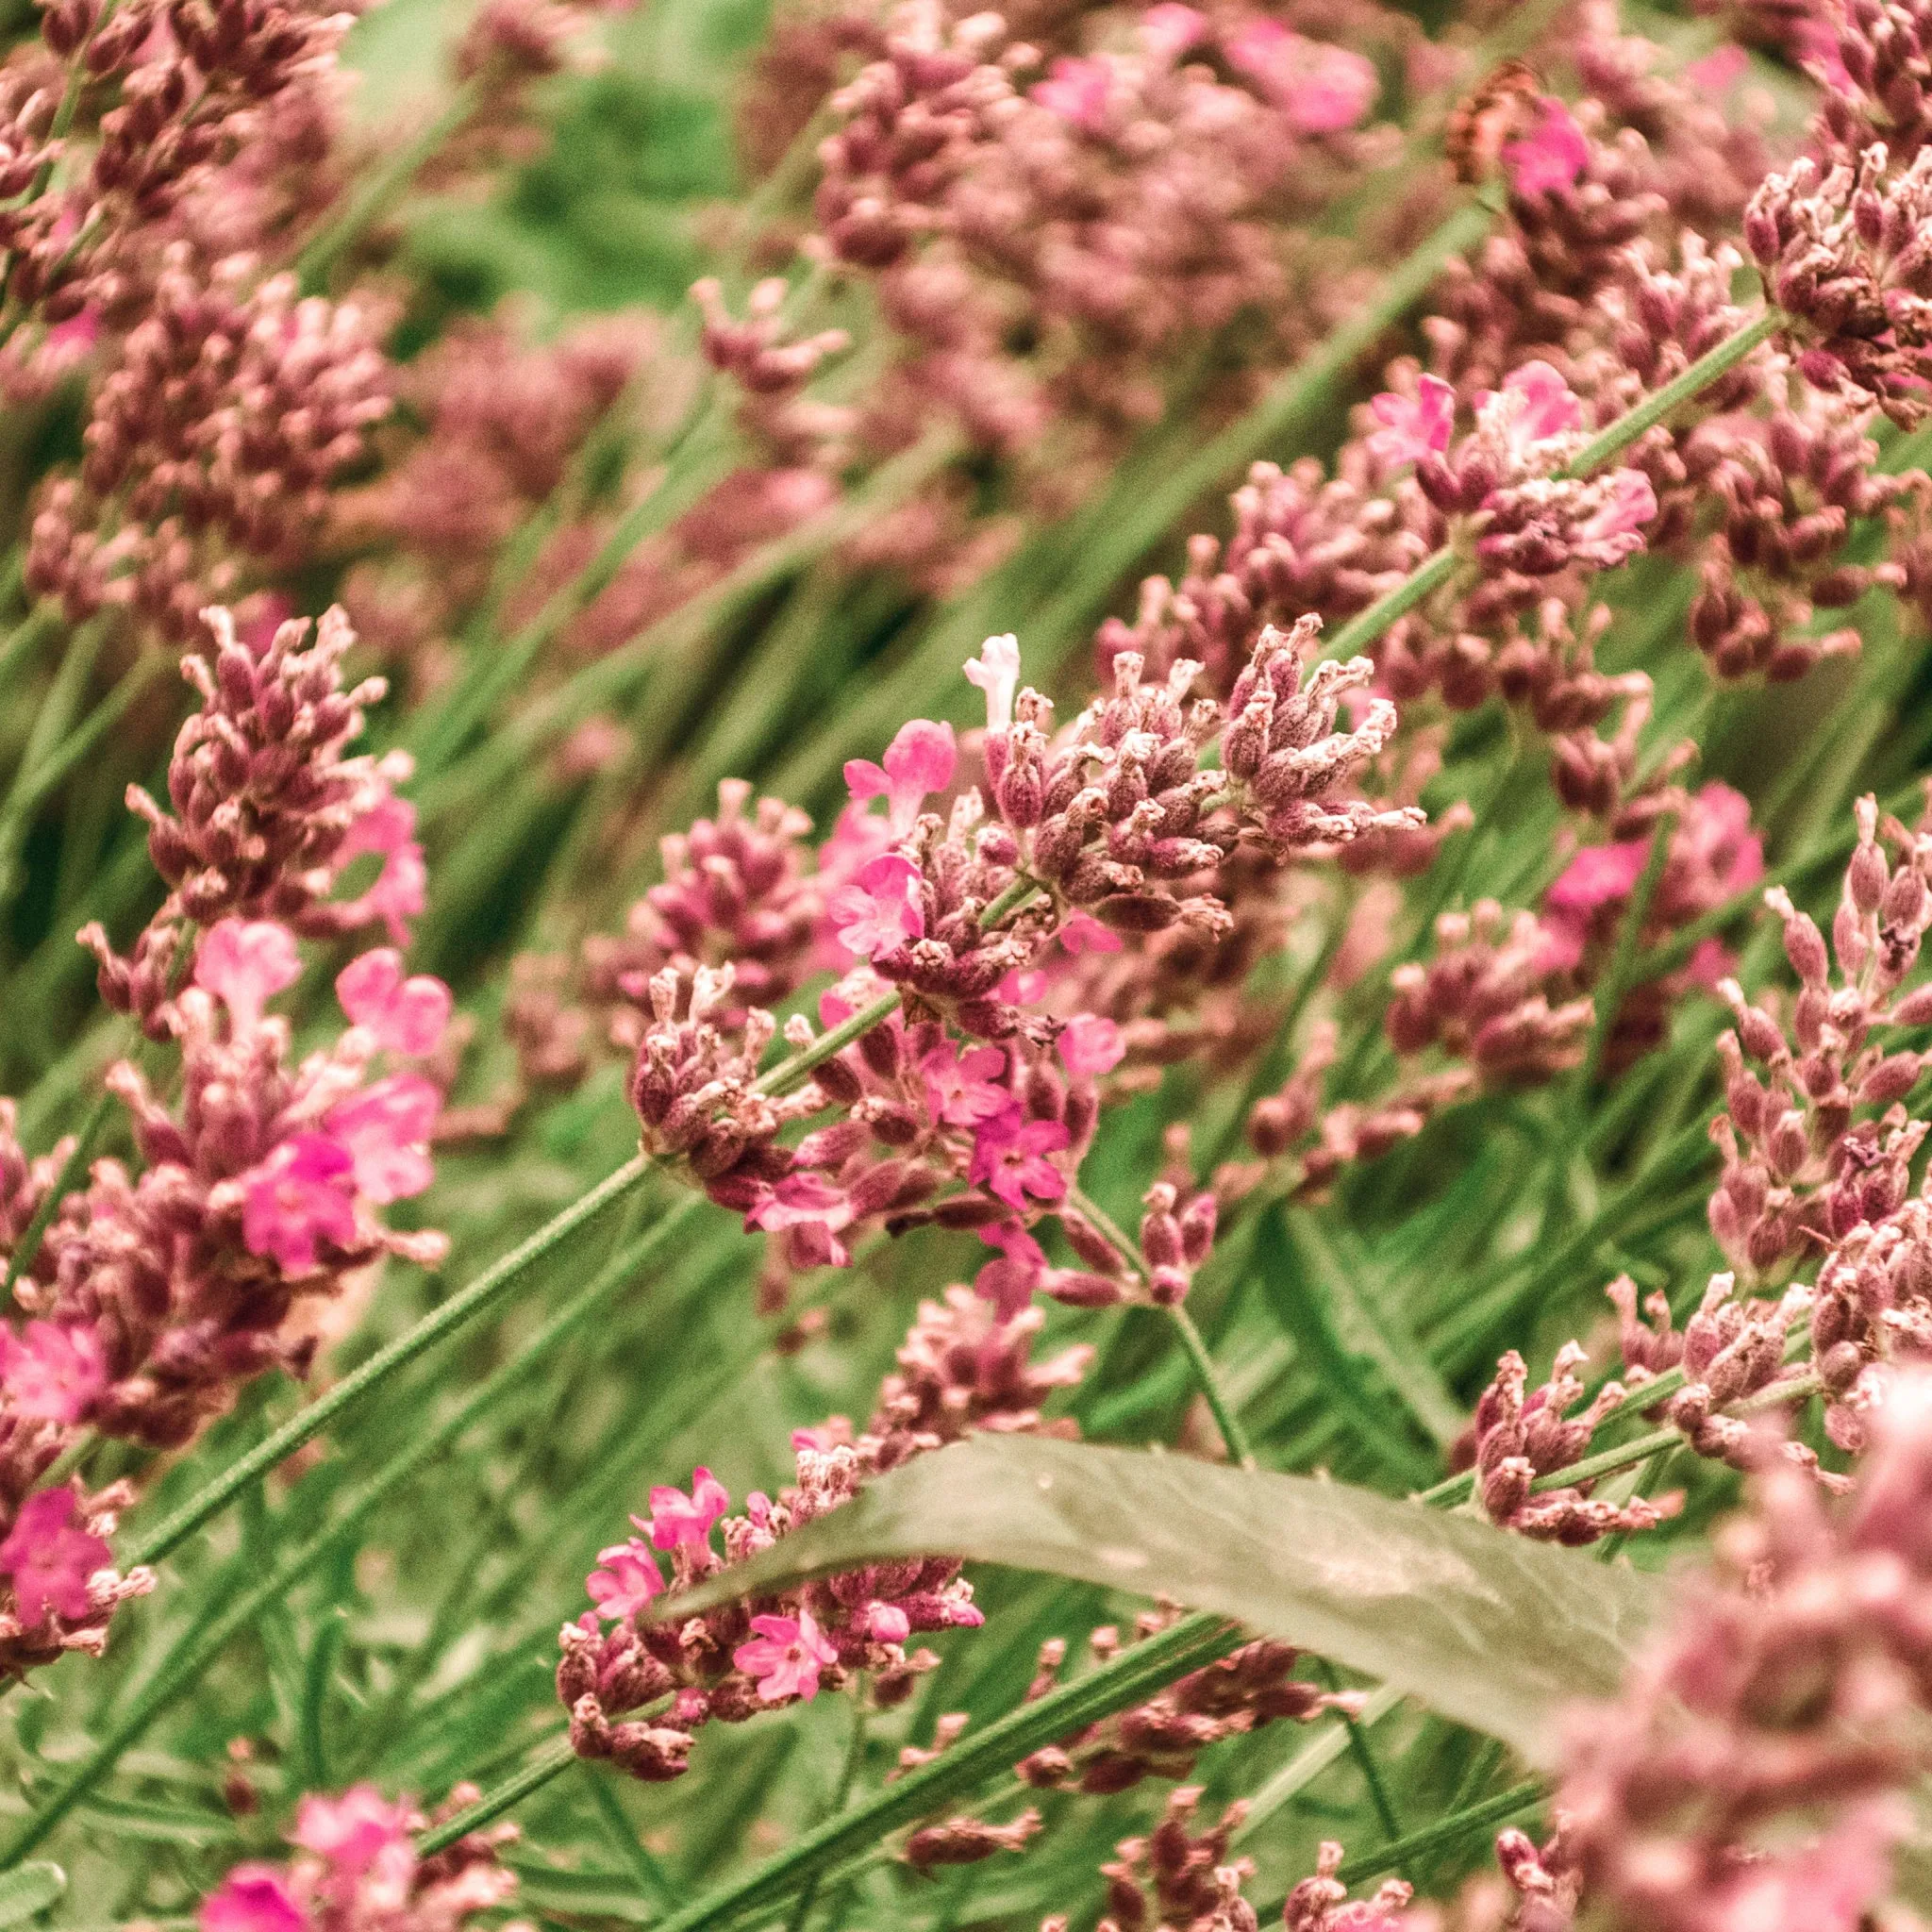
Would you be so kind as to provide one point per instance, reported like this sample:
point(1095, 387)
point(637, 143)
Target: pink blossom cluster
point(1051, 224)
point(1820, 1143)
point(212, 448)
point(1513, 996)
point(1164, 1737)
point(1175, 1875)
point(158, 1289)
point(1754, 1770)
point(354, 1870)
point(501, 421)
point(962, 1369)
point(155, 1293)
point(1069, 843)
point(269, 814)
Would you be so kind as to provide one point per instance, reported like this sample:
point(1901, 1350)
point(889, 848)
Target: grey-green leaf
point(29, 1888)
point(1488, 1628)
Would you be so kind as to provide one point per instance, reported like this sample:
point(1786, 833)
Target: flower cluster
point(1513, 997)
point(962, 1369)
point(1821, 1144)
point(1164, 1737)
point(354, 1870)
point(268, 812)
point(1067, 841)
point(157, 1290)
point(212, 448)
point(1842, 249)
point(1175, 1877)
point(990, 208)
point(1754, 1769)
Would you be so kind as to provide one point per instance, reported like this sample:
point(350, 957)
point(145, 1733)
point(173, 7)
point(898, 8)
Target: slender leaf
point(1490, 1630)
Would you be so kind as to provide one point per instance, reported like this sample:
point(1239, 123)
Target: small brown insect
point(1487, 116)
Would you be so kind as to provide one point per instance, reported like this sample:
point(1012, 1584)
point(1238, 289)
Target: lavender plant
point(1181, 749)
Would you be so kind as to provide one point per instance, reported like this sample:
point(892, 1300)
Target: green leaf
point(1488, 1628)
point(29, 1889)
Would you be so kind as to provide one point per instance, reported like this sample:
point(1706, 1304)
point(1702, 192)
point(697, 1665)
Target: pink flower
point(49, 1560)
point(1719, 833)
point(253, 1898)
point(809, 1211)
point(964, 1089)
point(1829, 1884)
point(1008, 1283)
point(353, 1831)
point(1412, 426)
point(1710, 962)
point(676, 1517)
point(405, 1015)
point(1009, 1158)
point(1551, 156)
point(1537, 404)
point(1321, 89)
point(996, 672)
point(887, 1624)
point(1090, 1045)
point(1022, 987)
point(1719, 69)
point(1631, 504)
point(398, 894)
point(270, 611)
point(1076, 91)
point(385, 1130)
point(786, 1657)
point(1815, 46)
point(244, 963)
point(858, 837)
point(1080, 932)
point(1596, 877)
point(919, 760)
point(52, 1371)
point(1168, 31)
point(74, 337)
point(628, 1580)
point(298, 1196)
point(879, 912)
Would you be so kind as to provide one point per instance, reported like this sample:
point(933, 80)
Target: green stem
point(182, 1665)
point(792, 1073)
point(40, 623)
point(1311, 1760)
point(1610, 988)
point(554, 1759)
point(29, 1244)
point(36, 780)
point(379, 190)
point(1445, 1831)
point(1618, 436)
point(1239, 1448)
point(848, 1775)
point(616, 676)
point(1009, 901)
point(1370, 1769)
point(505, 667)
point(1129, 1678)
point(492, 1286)
point(1367, 625)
